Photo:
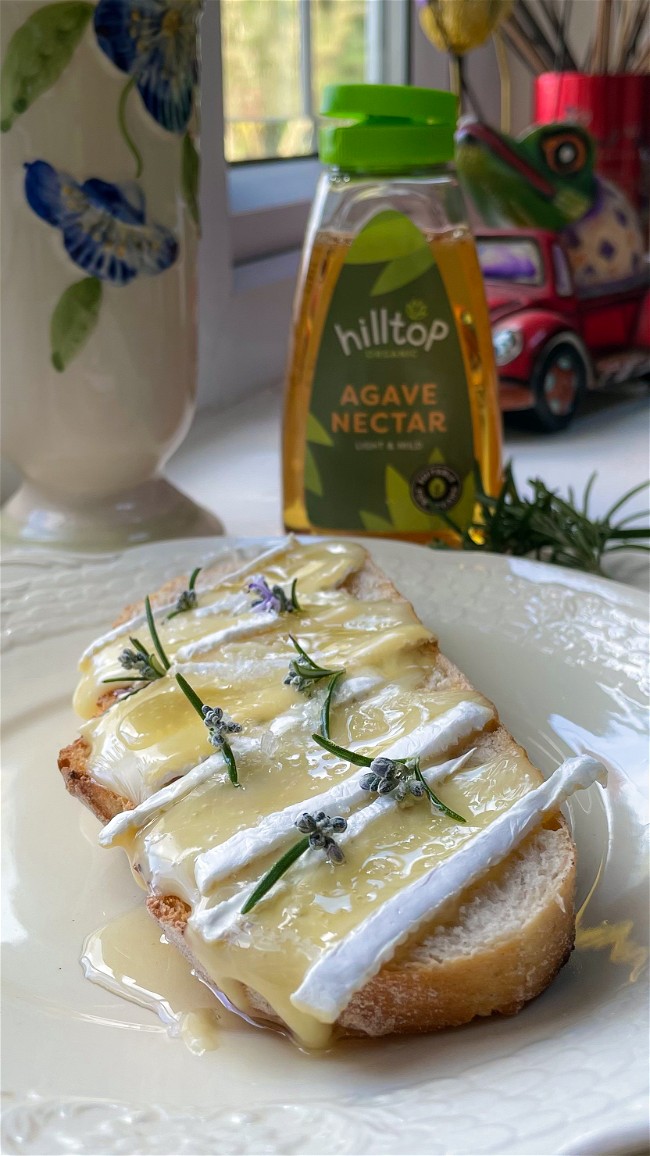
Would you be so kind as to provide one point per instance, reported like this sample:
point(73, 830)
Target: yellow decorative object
point(458, 26)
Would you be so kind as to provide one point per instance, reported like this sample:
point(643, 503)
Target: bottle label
point(389, 433)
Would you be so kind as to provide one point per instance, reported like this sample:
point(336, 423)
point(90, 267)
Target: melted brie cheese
point(193, 835)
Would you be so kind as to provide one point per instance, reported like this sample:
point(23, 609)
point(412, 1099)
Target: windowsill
point(272, 183)
point(230, 463)
point(269, 206)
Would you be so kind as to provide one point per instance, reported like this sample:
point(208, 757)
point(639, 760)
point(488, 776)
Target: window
point(277, 57)
point(563, 282)
point(265, 63)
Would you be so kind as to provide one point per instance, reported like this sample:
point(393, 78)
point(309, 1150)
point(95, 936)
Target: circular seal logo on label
point(435, 487)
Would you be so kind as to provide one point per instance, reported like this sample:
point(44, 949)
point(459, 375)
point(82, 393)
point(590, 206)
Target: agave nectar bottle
point(392, 392)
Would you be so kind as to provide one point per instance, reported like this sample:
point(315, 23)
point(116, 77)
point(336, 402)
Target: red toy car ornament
point(552, 344)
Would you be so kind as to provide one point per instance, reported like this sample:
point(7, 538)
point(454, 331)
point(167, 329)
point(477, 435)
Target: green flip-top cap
point(386, 127)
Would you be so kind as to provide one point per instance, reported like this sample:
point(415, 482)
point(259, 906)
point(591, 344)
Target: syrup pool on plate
point(131, 958)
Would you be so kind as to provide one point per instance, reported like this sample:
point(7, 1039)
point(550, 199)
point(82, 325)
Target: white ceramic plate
point(565, 658)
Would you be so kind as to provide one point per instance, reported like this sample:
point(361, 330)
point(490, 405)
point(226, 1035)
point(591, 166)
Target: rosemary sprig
point(548, 526)
point(304, 676)
point(138, 659)
point(403, 776)
point(150, 665)
point(327, 702)
point(433, 798)
point(319, 830)
point(187, 598)
point(218, 724)
point(355, 757)
point(276, 872)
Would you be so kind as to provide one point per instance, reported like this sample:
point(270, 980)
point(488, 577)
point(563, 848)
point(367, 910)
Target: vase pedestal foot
point(149, 512)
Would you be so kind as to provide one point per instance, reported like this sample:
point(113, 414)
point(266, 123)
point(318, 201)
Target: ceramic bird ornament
point(546, 179)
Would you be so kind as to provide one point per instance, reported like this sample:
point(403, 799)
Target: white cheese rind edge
point(346, 968)
point(432, 739)
point(126, 628)
point(136, 817)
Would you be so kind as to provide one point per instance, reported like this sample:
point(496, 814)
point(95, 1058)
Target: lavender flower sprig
point(402, 776)
point(150, 665)
point(218, 723)
point(319, 833)
point(187, 598)
point(138, 659)
point(273, 599)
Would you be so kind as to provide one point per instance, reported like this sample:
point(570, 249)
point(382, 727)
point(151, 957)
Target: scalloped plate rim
point(493, 567)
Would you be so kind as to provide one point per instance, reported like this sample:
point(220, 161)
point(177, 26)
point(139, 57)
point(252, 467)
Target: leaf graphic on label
point(37, 54)
point(317, 433)
point(190, 172)
point(73, 320)
point(312, 477)
point(387, 237)
point(374, 523)
point(436, 457)
point(404, 514)
point(416, 310)
point(402, 271)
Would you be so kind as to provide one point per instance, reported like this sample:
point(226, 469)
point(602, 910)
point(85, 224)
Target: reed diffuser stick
point(637, 28)
point(600, 60)
point(523, 47)
point(642, 64)
point(504, 79)
point(628, 16)
point(523, 15)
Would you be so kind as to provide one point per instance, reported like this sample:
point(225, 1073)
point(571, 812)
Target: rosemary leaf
point(231, 765)
point(325, 709)
point(436, 802)
point(137, 645)
point(154, 634)
point(293, 599)
point(204, 712)
point(190, 694)
point(301, 652)
point(355, 757)
point(187, 598)
point(625, 498)
point(276, 872)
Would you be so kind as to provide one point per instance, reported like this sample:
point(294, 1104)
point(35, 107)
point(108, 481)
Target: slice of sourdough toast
point(497, 945)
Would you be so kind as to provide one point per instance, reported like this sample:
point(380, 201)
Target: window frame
point(253, 222)
point(269, 200)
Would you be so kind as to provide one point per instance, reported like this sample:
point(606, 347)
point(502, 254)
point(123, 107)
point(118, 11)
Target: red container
point(614, 108)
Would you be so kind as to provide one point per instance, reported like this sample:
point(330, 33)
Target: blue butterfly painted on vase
point(104, 226)
point(155, 43)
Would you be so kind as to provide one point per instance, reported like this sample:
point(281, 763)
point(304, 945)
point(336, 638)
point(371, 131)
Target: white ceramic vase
point(99, 232)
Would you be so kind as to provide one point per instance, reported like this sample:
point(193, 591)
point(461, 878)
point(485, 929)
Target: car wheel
point(558, 382)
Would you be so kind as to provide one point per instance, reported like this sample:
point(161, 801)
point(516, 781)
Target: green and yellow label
point(389, 434)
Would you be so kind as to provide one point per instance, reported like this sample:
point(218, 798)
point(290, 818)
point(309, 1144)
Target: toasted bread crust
point(73, 765)
point(423, 989)
point(424, 994)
